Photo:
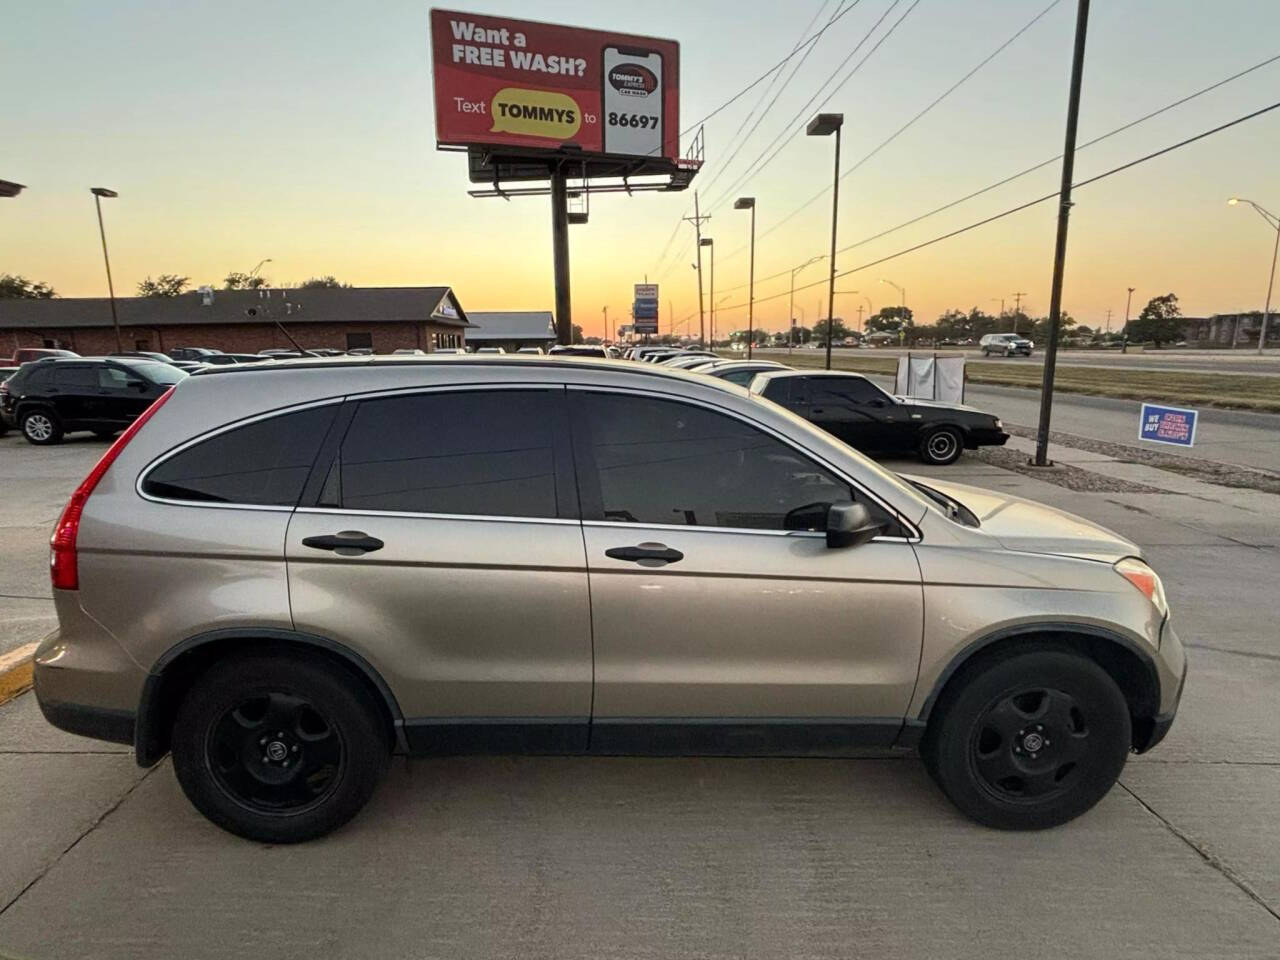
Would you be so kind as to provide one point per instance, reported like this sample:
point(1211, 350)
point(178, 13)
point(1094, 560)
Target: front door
point(444, 545)
point(122, 396)
point(854, 410)
point(722, 621)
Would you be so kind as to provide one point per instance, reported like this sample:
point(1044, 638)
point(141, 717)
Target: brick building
point(242, 321)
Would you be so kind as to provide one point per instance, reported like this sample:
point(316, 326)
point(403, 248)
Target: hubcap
point(39, 427)
point(275, 752)
point(942, 446)
point(1029, 745)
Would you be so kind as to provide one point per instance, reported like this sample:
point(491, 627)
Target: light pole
point(708, 242)
point(824, 125)
point(1274, 222)
point(791, 308)
point(98, 194)
point(10, 189)
point(902, 325)
point(715, 313)
point(749, 203)
point(248, 277)
point(605, 333)
point(1124, 334)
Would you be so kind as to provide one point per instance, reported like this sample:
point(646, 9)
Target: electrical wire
point(1024, 206)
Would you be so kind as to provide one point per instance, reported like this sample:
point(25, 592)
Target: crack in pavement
point(72, 845)
point(1252, 654)
point(1205, 855)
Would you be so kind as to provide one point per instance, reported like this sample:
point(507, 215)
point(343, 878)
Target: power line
point(756, 165)
point(1024, 206)
point(1031, 169)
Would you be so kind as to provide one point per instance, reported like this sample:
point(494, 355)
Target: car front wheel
point(278, 749)
point(942, 446)
point(1029, 741)
point(41, 427)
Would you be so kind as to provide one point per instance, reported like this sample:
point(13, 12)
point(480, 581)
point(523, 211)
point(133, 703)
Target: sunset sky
point(304, 132)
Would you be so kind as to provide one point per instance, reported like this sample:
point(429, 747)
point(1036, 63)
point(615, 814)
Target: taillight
point(63, 569)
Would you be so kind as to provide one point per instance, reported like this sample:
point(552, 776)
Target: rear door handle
point(646, 554)
point(348, 543)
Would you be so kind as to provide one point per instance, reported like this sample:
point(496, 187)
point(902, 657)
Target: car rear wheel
point(41, 427)
point(278, 749)
point(1030, 741)
point(942, 446)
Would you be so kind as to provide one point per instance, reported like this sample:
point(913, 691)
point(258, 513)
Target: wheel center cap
point(277, 751)
point(1032, 742)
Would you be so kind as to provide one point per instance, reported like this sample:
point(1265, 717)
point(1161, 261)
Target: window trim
point(568, 496)
point(588, 481)
point(225, 428)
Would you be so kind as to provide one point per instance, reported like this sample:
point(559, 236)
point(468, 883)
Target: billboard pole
point(560, 251)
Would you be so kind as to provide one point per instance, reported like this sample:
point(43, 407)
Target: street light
point(98, 194)
point(823, 125)
point(254, 272)
point(1274, 222)
point(1124, 334)
point(902, 319)
point(707, 242)
point(10, 189)
point(791, 309)
point(749, 203)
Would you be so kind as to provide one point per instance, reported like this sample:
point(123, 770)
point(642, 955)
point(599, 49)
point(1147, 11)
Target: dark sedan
point(851, 407)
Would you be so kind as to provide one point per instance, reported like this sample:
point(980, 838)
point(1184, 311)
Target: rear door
point(443, 544)
point(722, 620)
point(74, 393)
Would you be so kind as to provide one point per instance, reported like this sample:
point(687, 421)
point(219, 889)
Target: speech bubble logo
point(535, 113)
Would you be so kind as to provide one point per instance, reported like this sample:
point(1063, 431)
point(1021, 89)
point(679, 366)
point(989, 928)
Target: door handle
point(646, 554)
point(818, 410)
point(348, 543)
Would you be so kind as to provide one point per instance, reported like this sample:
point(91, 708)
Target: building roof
point(290, 307)
point(511, 325)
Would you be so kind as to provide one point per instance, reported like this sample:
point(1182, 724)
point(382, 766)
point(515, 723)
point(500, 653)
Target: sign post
point(644, 308)
point(1171, 425)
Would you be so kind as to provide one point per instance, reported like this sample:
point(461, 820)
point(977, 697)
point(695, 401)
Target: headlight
point(1146, 580)
point(999, 425)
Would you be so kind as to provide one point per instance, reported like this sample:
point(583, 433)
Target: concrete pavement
point(600, 858)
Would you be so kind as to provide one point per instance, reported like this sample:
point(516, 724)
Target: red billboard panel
point(518, 83)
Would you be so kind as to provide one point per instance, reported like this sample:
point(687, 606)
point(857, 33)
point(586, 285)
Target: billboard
point(540, 86)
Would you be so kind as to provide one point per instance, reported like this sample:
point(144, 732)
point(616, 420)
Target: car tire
point(979, 746)
point(278, 748)
point(41, 427)
point(941, 446)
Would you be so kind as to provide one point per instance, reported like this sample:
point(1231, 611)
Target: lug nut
point(1034, 755)
point(262, 742)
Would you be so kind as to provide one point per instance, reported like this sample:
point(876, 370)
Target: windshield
point(161, 373)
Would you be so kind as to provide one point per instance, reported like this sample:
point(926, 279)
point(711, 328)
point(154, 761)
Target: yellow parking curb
point(15, 671)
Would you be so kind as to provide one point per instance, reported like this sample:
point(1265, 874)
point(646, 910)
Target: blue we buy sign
point(1160, 424)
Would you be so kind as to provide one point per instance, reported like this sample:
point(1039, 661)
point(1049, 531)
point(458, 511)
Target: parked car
point(51, 398)
point(498, 556)
point(578, 350)
point(5, 374)
point(534, 350)
point(408, 352)
point(143, 355)
point(192, 353)
point(28, 354)
point(491, 350)
point(683, 361)
point(229, 359)
point(851, 407)
point(1005, 345)
point(360, 352)
point(740, 372)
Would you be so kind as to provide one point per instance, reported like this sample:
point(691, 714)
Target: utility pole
point(605, 332)
point(859, 318)
point(560, 252)
point(1060, 245)
point(697, 219)
point(1017, 308)
point(1108, 319)
point(1124, 334)
point(98, 194)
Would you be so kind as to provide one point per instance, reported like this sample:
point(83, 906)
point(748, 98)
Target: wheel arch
point(1132, 668)
point(172, 675)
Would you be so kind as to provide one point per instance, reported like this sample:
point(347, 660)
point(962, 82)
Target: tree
point(838, 331)
point(327, 282)
point(577, 333)
point(242, 281)
point(1160, 321)
point(890, 319)
point(165, 285)
point(13, 287)
point(1040, 327)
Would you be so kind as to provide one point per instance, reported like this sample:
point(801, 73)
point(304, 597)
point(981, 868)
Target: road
point(563, 857)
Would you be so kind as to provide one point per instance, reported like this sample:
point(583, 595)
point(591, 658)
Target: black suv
point(49, 398)
point(858, 412)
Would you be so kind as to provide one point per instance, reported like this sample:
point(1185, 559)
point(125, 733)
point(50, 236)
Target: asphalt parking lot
point(589, 857)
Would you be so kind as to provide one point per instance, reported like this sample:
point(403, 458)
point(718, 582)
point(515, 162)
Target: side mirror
point(850, 525)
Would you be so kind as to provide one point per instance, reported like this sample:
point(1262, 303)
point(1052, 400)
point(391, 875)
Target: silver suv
point(283, 576)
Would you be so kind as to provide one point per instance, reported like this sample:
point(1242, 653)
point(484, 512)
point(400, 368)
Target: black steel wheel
point(277, 748)
point(1029, 740)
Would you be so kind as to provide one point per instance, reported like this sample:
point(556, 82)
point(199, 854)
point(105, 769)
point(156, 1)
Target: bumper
point(1171, 663)
point(986, 438)
point(101, 723)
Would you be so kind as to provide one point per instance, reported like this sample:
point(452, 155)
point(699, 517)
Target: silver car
point(282, 577)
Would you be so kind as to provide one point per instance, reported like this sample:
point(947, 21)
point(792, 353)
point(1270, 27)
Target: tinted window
point(161, 373)
point(265, 462)
point(113, 378)
point(779, 389)
point(850, 390)
point(75, 377)
point(660, 461)
point(483, 453)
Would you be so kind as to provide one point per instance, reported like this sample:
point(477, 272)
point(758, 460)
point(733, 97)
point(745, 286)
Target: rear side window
point(76, 377)
point(474, 453)
point(262, 463)
point(778, 389)
point(847, 389)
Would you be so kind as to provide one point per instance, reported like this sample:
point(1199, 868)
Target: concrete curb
point(15, 671)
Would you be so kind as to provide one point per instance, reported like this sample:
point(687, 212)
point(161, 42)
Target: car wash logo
point(633, 80)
